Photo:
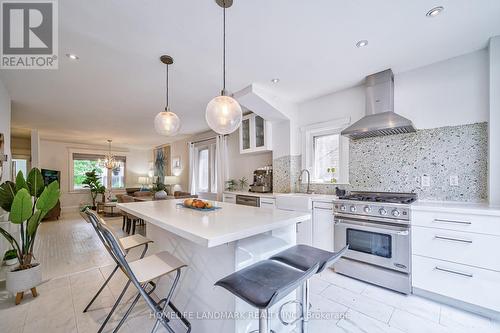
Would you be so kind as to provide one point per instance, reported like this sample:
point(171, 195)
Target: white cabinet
point(229, 197)
point(255, 134)
point(305, 233)
point(453, 255)
point(322, 226)
point(267, 203)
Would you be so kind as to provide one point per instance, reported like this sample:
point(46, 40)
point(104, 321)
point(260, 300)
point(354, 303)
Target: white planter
point(11, 262)
point(161, 195)
point(20, 281)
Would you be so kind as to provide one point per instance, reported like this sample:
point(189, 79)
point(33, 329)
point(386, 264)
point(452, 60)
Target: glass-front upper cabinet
point(245, 133)
point(255, 134)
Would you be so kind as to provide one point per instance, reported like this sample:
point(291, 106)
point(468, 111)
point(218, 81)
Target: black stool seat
point(265, 283)
point(304, 257)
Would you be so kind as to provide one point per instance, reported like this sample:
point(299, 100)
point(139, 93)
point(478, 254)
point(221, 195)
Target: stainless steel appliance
point(247, 200)
point(377, 228)
point(380, 118)
point(262, 180)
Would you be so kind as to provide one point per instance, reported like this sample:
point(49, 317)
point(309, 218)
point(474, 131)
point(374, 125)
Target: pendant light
point(224, 113)
point(166, 122)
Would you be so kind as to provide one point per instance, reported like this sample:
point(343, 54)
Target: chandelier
point(109, 161)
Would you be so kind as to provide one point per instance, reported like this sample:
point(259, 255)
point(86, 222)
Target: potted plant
point(158, 189)
point(92, 181)
point(27, 201)
point(10, 257)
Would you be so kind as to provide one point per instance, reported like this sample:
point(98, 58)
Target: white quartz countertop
point(456, 207)
point(314, 197)
point(212, 228)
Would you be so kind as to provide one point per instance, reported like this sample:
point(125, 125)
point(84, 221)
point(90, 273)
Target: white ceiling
point(117, 87)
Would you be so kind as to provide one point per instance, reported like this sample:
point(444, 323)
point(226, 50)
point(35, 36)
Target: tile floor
point(76, 264)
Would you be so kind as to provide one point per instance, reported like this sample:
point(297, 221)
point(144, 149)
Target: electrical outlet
point(426, 181)
point(453, 180)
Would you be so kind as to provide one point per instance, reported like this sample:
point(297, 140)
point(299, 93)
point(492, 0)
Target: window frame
point(102, 153)
point(212, 167)
point(333, 127)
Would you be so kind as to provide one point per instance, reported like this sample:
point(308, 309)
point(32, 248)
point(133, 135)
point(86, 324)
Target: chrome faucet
point(308, 190)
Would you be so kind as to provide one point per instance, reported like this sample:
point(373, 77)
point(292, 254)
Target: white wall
point(55, 155)
point(5, 117)
point(447, 93)
point(494, 114)
point(243, 165)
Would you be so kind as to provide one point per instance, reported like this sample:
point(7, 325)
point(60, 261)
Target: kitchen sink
point(294, 201)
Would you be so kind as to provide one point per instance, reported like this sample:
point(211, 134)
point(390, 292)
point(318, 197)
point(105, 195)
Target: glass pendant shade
point(167, 123)
point(224, 114)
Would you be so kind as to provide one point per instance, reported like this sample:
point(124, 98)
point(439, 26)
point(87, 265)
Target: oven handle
point(371, 218)
point(402, 231)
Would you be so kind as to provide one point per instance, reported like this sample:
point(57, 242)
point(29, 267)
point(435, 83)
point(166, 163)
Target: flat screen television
point(50, 175)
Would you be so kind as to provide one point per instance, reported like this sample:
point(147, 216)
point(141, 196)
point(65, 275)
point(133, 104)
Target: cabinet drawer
point(267, 203)
point(460, 247)
point(323, 205)
point(230, 198)
point(484, 224)
point(465, 283)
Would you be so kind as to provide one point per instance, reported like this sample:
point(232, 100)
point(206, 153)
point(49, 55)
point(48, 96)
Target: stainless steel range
point(377, 228)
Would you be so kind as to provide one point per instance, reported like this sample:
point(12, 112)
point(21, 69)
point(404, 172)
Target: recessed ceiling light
point(72, 56)
point(435, 11)
point(275, 80)
point(362, 43)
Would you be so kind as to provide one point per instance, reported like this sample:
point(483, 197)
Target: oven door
point(374, 243)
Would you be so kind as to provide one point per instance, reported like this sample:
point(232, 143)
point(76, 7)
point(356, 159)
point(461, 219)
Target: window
point(82, 163)
point(325, 152)
point(326, 157)
point(205, 167)
point(203, 170)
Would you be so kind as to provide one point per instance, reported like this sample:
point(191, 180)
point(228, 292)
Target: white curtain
point(193, 169)
point(221, 163)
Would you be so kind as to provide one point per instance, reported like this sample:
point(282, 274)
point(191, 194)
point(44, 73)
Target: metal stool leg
point(264, 322)
point(305, 306)
point(101, 289)
point(146, 246)
point(114, 307)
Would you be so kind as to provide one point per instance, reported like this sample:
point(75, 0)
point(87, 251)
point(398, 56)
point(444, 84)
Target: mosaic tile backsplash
point(396, 163)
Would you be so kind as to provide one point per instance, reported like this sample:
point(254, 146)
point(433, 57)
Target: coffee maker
point(262, 180)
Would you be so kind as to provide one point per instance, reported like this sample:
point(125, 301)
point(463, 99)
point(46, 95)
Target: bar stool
point(264, 284)
point(127, 243)
point(304, 257)
point(141, 273)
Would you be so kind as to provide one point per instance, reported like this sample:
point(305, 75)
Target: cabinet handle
point(461, 240)
point(323, 208)
point(447, 270)
point(452, 221)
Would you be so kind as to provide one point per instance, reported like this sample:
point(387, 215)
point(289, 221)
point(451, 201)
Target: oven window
point(369, 242)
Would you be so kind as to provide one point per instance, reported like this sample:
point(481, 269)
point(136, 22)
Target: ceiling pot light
point(166, 122)
point(223, 113)
point(362, 43)
point(275, 80)
point(435, 11)
point(72, 56)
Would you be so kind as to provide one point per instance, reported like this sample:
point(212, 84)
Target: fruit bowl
point(198, 204)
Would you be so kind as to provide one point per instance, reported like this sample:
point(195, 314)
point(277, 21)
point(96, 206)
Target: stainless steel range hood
point(380, 118)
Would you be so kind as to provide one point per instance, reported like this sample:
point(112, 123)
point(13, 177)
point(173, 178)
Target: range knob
point(343, 208)
point(382, 211)
point(367, 209)
point(396, 213)
point(353, 209)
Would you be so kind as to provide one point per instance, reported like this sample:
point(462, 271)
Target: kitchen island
point(214, 244)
